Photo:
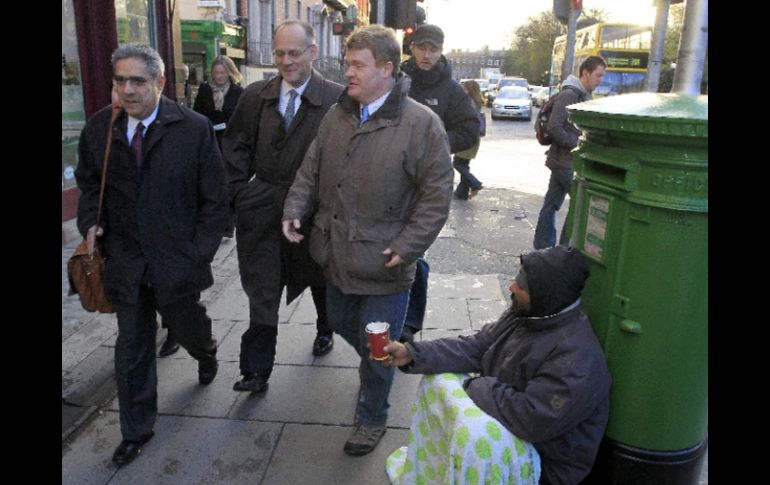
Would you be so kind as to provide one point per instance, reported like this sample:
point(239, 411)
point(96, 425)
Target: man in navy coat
point(164, 212)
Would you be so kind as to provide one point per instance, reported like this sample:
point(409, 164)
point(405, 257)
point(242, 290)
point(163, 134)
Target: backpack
point(541, 122)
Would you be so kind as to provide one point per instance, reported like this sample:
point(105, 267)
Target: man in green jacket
point(381, 175)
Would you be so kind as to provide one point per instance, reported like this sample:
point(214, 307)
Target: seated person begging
point(537, 407)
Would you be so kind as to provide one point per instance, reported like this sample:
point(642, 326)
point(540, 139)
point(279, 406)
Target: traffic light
point(400, 14)
point(409, 31)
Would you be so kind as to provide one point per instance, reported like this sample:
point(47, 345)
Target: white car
point(512, 102)
point(536, 94)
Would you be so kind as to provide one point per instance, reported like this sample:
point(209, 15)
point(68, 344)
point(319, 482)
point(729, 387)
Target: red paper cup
point(379, 336)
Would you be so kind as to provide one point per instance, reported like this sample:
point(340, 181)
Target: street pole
point(692, 48)
point(658, 45)
point(569, 54)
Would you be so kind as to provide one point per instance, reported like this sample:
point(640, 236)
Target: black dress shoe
point(323, 344)
point(251, 383)
point(207, 368)
point(127, 450)
point(169, 347)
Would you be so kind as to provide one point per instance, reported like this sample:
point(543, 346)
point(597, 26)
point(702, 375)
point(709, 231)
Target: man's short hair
point(381, 41)
point(155, 66)
point(590, 64)
point(309, 32)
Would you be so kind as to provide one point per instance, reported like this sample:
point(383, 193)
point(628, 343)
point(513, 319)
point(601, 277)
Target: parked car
point(512, 102)
point(544, 96)
point(535, 93)
point(506, 81)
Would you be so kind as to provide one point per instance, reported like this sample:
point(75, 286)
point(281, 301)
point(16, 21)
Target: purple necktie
point(136, 144)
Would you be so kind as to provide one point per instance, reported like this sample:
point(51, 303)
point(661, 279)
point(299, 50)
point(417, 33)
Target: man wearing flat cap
point(541, 374)
point(433, 86)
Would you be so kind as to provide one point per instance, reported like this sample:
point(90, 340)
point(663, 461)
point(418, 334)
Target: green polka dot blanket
point(452, 441)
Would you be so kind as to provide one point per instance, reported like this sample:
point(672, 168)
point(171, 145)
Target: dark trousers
point(260, 266)
point(418, 296)
point(135, 370)
point(467, 179)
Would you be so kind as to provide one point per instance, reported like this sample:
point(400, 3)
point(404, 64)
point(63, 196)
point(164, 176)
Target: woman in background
point(218, 97)
point(217, 100)
point(462, 160)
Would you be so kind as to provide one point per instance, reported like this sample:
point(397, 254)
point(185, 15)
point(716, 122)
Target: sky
point(471, 24)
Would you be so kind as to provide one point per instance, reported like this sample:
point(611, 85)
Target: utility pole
point(658, 46)
point(692, 48)
point(567, 12)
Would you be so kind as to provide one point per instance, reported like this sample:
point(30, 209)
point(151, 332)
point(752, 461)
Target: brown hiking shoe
point(363, 439)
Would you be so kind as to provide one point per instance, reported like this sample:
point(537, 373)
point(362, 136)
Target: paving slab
point(468, 286)
point(300, 394)
point(313, 454)
point(184, 450)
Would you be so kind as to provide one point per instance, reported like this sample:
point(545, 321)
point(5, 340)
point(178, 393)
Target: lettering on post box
point(596, 226)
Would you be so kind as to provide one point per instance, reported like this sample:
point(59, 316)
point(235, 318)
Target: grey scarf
point(219, 93)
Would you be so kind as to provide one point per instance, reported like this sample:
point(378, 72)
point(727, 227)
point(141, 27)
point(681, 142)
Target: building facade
point(468, 65)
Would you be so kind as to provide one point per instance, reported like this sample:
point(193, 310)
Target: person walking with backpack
point(469, 185)
point(564, 136)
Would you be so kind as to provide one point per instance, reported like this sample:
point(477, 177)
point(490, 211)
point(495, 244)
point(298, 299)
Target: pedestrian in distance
point(536, 407)
point(433, 86)
point(469, 185)
point(217, 99)
point(158, 244)
point(565, 137)
point(380, 173)
point(264, 145)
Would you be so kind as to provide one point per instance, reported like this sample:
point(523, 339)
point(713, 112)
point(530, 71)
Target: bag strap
point(115, 112)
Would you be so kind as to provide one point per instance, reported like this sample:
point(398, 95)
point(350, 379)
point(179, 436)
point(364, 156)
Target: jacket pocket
point(366, 260)
point(319, 241)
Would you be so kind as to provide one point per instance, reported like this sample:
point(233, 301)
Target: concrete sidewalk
point(295, 432)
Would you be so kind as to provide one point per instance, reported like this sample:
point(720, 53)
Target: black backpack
point(541, 122)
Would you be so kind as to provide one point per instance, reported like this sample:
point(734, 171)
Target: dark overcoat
point(261, 160)
point(168, 217)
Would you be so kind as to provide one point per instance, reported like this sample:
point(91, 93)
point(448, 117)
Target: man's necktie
point(364, 114)
point(288, 114)
point(136, 144)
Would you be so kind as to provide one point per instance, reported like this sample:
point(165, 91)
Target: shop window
point(133, 22)
point(73, 115)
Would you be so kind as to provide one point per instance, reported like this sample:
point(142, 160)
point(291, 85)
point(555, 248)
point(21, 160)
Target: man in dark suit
point(165, 207)
point(263, 147)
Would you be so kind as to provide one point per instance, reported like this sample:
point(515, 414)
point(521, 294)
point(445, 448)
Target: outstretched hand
point(399, 354)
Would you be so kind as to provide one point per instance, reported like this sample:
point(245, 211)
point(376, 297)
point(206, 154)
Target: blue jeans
point(418, 296)
point(348, 316)
point(558, 188)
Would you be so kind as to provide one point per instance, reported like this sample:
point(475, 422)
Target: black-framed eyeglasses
point(293, 54)
point(137, 81)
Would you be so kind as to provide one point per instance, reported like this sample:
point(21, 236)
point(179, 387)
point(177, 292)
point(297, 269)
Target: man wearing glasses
point(263, 146)
point(164, 210)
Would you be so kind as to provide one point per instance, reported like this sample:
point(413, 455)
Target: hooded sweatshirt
point(565, 134)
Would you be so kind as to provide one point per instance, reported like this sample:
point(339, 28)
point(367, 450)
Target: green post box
point(639, 212)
